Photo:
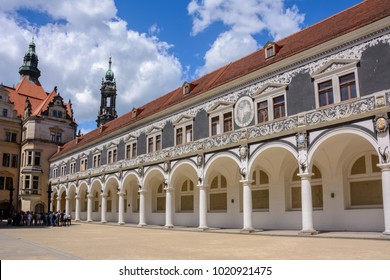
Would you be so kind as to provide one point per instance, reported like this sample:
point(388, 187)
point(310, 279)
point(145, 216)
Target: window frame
point(333, 75)
point(184, 125)
point(154, 134)
point(269, 97)
point(217, 116)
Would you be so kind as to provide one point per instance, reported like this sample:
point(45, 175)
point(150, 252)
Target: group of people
point(30, 218)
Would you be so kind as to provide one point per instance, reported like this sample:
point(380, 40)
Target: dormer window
point(271, 49)
point(187, 87)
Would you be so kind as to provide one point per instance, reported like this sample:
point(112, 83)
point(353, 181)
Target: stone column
point(104, 208)
point(58, 204)
point(307, 204)
point(385, 168)
point(89, 208)
point(121, 220)
point(142, 208)
point(247, 205)
point(51, 204)
point(168, 207)
point(202, 207)
point(67, 200)
point(77, 214)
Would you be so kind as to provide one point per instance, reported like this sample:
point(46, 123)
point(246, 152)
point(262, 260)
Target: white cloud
point(244, 19)
point(73, 54)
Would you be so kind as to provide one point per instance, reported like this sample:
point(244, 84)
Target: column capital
point(103, 195)
point(384, 166)
point(89, 196)
point(120, 193)
point(202, 186)
point(246, 182)
point(305, 175)
point(67, 197)
point(77, 196)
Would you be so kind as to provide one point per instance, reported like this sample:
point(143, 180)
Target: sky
point(155, 45)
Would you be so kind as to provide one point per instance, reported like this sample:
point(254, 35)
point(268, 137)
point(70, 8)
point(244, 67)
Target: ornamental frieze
point(341, 111)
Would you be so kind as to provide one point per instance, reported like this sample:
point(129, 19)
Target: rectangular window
point(29, 157)
point(96, 161)
point(279, 107)
point(27, 182)
point(2, 183)
point(158, 142)
point(59, 137)
point(84, 164)
point(325, 93)
point(128, 151)
point(150, 144)
point(114, 155)
point(189, 133)
point(52, 136)
point(179, 136)
point(347, 87)
point(262, 111)
point(134, 150)
point(5, 112)
point(8, 183)
point(6, 159)
point(72, 167)
point(55, 173)
point(227, 122)
point(14, 161)
point(10, 137)
point(35, 184)
point(215, 126)
point(366, 193)
point(37, 159)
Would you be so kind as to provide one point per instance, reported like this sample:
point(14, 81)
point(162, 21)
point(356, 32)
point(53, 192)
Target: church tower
point(30, 64)
point(107, 110)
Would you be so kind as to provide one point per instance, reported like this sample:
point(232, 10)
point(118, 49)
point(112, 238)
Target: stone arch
point(82, 192)
point(277, 160)
point(111, 188)
point(217, 158)
point(336, 151)
point(183, 179)
point(154, 197)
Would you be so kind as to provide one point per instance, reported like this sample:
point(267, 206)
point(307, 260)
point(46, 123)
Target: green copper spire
point(30, 63)
point(109, 73)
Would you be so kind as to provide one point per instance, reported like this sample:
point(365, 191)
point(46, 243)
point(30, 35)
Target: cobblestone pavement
point(113, 242)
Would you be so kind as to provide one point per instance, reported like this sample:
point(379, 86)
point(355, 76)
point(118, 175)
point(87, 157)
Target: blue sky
point(155, 45)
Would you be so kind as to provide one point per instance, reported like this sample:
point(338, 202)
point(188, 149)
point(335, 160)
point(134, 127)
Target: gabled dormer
point(271, 49)
point(187, 88)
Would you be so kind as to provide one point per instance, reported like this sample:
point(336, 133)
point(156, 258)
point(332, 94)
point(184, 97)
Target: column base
point(121, 223)
point(203, 228)
point(103, 222)
point(142, 225)
point(308, 232)
point(247, 230)
point(168, 226)
point(77, 220)
point(385, 235)
point(89, 221)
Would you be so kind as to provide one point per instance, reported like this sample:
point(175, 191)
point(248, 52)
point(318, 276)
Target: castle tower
point(30, 64)
point(107, 110)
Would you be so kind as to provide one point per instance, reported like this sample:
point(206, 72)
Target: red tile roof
point(37, 96)
point(342, 23)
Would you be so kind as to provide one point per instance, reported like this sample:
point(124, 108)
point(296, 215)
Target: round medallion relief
point(243, 111)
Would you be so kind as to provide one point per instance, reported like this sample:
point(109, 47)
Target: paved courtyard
point(110, 241)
